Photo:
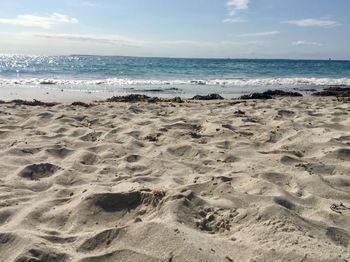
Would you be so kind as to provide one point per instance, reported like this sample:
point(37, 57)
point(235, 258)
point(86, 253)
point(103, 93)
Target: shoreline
point(62, 96)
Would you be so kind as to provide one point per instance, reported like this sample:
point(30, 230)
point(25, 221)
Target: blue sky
point(178, 28)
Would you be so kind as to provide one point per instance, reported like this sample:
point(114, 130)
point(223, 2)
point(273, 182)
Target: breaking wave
point(214, 82)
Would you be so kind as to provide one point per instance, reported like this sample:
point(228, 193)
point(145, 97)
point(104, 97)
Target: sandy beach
point(224, 180)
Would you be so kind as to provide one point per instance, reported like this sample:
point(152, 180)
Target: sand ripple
point(204, 181)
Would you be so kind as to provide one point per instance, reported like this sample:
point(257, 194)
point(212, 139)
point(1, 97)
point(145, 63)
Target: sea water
point(169, 76)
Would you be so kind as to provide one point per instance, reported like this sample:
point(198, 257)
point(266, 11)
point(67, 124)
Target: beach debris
point(154, 196)
point(176, 100)
point(195, 135)
point(283, 93)
point(35, 102)
point(256, 96)
point(152, 137)
point(198, 82)
point(208, 97)
point(48, 82)
point(14, 143)
point(131, 98)
point(338, 208)
point(337, 91)
point(137, 220)
point(304, 89)
point(239, 113)
point(229, 259)
point(88, 123)
point(82, 104)
point(343, 99)
point(143, 98)
point(269, 94)
point(157, 193)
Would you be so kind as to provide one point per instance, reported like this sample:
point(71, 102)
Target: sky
point(307, 29)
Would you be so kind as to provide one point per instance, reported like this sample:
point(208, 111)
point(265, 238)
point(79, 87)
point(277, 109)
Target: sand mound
point(100, 240)
point(121, 255)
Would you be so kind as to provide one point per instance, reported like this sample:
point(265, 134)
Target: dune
point(193, 181)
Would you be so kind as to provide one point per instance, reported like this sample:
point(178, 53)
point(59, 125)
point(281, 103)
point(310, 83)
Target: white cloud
point(98, 39)
point(235, 6)
point(103, 44)
point(325, 23)
point(207, 44)
point(305, 43)
point(234, 20)
point(116, 40)
point(44, 22)
point(260, 34)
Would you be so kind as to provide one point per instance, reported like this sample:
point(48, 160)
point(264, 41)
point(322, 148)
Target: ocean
point(168, 76)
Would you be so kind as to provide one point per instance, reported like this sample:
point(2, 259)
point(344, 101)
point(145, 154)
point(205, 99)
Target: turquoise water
point(168, 75)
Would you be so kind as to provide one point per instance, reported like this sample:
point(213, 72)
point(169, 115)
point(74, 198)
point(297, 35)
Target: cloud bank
point(308, 22)
point(306, 43)
point(234, 20)
point(106, 40)
point(44, 22)
point(260, 34)
point(235, 6)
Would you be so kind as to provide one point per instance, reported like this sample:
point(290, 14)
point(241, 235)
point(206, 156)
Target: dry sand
point(206, 181)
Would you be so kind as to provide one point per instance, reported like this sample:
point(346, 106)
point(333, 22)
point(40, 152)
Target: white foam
point(215, 82)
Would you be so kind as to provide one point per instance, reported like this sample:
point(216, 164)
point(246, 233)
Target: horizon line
point(199, 58)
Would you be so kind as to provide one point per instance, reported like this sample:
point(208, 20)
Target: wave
point(216, 82)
